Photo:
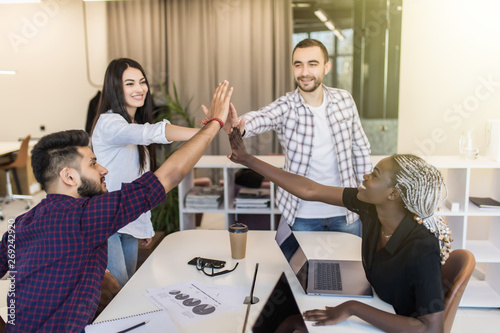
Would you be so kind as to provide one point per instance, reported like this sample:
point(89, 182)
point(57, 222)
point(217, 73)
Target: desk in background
point(8, 147)
point(168, 265)
point(26, 178)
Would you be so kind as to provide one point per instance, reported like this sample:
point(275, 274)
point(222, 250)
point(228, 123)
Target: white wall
point(450, 73)
point(45, 44)
point(450, 51)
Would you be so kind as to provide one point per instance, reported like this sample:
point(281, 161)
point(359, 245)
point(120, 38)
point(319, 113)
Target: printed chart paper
point(189, 302)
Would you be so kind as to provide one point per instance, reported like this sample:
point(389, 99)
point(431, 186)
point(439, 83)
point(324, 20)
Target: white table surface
point(168, 265)
point(7, 147)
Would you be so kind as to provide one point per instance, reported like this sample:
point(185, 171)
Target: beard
point(315, 83)
point(89, 188)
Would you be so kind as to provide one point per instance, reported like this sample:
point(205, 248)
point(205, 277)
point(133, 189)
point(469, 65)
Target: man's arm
point(3, 255)
point(175, 168)
point(253, 123)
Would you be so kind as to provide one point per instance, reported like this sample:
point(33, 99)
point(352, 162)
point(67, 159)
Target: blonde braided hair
point(420, 185)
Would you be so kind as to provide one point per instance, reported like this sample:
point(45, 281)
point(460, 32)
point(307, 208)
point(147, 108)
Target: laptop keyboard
point(327, 276)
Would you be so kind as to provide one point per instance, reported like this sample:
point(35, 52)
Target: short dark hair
point(56, 151)
point(309, 42)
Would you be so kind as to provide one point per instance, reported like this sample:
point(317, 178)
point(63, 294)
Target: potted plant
point(165, 217)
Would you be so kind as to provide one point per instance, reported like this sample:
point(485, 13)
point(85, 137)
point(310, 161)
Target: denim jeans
point(336, 223)
point(122, 256)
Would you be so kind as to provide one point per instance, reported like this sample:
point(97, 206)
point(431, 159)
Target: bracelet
point(206, 121)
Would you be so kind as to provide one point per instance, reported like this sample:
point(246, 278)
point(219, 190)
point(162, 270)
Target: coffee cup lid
point(238, 228)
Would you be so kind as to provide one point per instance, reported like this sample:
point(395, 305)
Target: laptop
point(325, 276)
point(281, 313)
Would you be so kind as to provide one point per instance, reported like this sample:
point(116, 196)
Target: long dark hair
point(112, 98)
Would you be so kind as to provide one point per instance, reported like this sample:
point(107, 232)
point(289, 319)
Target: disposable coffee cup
point(238, 239)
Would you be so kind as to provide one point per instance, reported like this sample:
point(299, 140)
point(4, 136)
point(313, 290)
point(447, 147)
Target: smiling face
point(309, 68)
point(135, 89)
point(92, 174)
point(378, 185)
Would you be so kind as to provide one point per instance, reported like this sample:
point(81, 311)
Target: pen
point(134, 327)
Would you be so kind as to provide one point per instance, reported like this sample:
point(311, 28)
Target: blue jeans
point(122, 256)
point(336, 223)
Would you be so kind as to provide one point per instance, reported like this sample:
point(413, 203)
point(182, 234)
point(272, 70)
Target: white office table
point(168, 265)
point(7, 147)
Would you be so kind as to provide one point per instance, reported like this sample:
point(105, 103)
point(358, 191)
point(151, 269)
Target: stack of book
point(204, 197)
point(252, 198)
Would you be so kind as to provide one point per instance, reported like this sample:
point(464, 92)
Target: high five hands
point(239, 152)
point(220, 107)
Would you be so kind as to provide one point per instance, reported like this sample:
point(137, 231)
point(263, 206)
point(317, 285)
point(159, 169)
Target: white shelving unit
point(229, 169)
point(477, 230)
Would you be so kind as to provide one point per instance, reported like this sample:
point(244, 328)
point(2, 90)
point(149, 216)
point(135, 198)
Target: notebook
point(322, 277)
point(485, 202)
point(158, 321)
point(281, 312)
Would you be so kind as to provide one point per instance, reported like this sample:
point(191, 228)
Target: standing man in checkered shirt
point(322, 139)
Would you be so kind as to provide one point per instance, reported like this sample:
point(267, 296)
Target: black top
point(92, 111)
point(406, 273)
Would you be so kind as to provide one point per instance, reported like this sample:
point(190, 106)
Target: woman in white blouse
point(123, 141)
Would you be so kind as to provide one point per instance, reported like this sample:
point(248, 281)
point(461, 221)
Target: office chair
point(455, 275)
point(110, 287)
point(19, 162)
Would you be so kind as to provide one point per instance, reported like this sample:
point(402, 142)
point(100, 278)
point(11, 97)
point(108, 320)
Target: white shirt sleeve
point(116, 131)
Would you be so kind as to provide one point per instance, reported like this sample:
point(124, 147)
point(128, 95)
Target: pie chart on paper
point(203, 309)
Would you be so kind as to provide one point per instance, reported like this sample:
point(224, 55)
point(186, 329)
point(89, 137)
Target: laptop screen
point(293, 252)
point(281, 313)
point(349, 278)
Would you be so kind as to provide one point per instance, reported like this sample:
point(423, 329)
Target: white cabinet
point(228, 169)
point(477, 230)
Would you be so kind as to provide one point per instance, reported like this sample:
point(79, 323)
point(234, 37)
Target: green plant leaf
point(165, 217)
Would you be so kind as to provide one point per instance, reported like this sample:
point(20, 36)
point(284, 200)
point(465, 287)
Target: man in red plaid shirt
point(56, 253)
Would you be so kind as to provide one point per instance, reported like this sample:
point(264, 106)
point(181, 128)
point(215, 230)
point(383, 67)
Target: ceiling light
point(7, 72)
point(321, 15)
point(19, 1)
point(329, 25)
point(301, 5)
point(338, 34)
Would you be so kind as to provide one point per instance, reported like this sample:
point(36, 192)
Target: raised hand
point(232, 119)
point(219, 107)
point(239, 152)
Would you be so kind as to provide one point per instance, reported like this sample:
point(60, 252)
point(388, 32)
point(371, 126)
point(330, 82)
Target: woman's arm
point(299, 186)
point(388, 322)
point(179, 133)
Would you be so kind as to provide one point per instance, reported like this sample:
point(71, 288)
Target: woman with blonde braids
point(403, 244)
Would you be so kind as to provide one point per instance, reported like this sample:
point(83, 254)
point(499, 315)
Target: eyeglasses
point(201, 265)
